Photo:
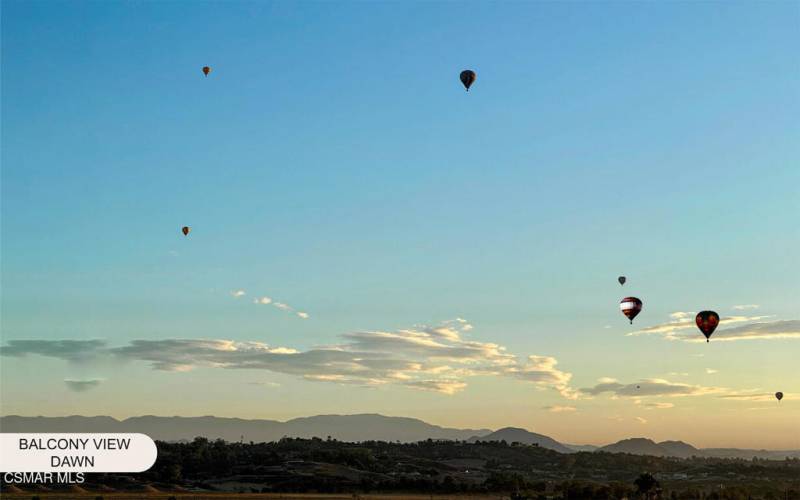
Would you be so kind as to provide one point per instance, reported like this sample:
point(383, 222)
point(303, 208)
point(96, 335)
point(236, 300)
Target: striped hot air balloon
point(630, 307)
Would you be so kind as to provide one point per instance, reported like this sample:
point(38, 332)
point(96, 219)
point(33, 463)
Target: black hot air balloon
point(707, 322)
point(467, 77)
point(779, 395)
point(630, 307)
point(206, 70)
point(185, 230)
point(622, 280)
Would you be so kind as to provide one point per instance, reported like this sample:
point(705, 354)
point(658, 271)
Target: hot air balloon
point(707, 322)
point(779, 395)
point(185, 230)
point(622, 280)
point(467, 77)
point(630, 307)
point(206, 70)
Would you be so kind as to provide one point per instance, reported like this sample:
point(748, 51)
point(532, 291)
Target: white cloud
point(426, 358)
point(542, 371)
point(268, 301)
point(745, 307)
point(237, 293)
point(750, 395)
point(647, 387)
point(444, 386)
point(711, 371)
point(745, 328)
point(658, 406)
point(559, 409)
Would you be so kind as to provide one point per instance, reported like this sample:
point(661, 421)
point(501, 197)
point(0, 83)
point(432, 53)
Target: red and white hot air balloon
point(630, 307)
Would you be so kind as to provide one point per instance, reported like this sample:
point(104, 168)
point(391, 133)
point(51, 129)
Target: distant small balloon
point(185, 230)
point(707, 322)
point(206, 70)
point(467, 78)
point(779, 395)
point(630, 307)
point(622, 280)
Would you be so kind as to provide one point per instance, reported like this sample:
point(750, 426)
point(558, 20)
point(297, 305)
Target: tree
point(646, 484)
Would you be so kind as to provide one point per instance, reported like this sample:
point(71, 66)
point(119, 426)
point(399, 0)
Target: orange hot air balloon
point(630, 307)
point(779, 395)
point(467, 78)
point(707, 322)
point(206, 70)
point(185, 230)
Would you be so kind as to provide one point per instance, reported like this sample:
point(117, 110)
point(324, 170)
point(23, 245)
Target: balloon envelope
point(206, 70)
point(630, 307)
point(707, 322)
point(622, 280)
point(185, 230)
point(467, 78)
point(779, 395)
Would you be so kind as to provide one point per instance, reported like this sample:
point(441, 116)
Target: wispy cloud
point(238, 293)
point(559, 409)
point(82, 385)
point(641, 420)
point(745, 307)
point(711, 371)
point(436, 358)
point(69, 350)
point(647, 387)
point(268, 301)
point(265, 384)
point(443, 386)
point(750, 395)
point(683, 328)
point(658, 406)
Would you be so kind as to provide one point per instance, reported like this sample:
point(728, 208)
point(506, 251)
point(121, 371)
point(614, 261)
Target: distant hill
point(363, 427)
point(679, 449)
point(636, 446)
point(355, 428)
point(517, 435)
point(749, 454)
point(581, 447)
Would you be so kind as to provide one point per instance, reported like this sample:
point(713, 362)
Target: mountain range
point(354, 428)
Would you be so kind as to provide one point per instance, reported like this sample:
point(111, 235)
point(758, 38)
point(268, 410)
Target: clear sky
point(333, 166)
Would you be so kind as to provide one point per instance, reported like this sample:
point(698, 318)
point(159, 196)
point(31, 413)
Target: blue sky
point(332, 162)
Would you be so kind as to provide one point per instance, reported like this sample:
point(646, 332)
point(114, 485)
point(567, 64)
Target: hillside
point(517, 435)
point(636, 446)
point(361, 427)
